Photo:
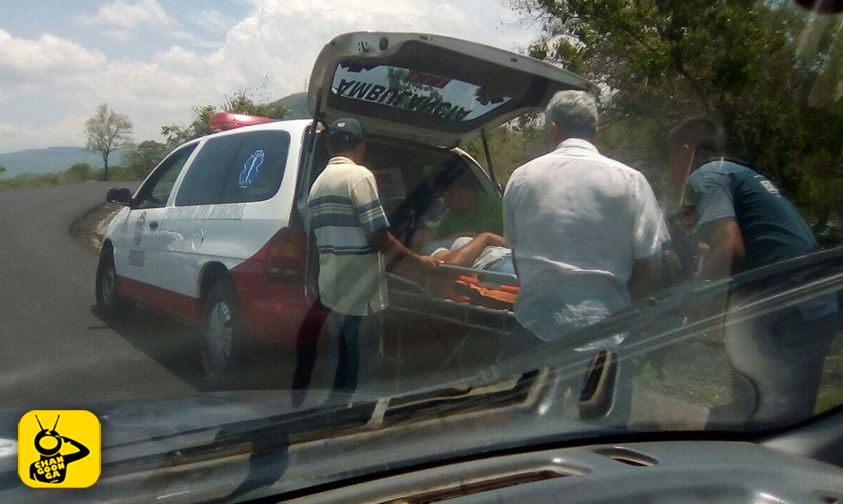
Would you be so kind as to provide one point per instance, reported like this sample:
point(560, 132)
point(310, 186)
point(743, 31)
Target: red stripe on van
point(179, 305)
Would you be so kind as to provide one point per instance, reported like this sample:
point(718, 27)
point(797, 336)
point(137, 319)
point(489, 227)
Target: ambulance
point(215, 235)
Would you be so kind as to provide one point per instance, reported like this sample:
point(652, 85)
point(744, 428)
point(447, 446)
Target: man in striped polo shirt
point(355, 250)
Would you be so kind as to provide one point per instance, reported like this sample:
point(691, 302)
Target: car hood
point(243, 445)
point(161, 424)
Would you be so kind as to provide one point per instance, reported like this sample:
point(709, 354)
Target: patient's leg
point(468, 253)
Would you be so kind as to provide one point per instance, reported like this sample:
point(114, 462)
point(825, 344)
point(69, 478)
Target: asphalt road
point(55, 350)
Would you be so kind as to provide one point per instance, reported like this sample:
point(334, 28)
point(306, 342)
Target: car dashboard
point(657, 472)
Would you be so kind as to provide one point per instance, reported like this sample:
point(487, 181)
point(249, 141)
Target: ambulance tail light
point(286, 258)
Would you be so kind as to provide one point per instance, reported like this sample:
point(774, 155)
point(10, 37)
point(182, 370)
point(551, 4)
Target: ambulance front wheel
point(109, 303)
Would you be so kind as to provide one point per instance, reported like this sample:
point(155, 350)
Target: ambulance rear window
point(238, 168)
point(446, 99)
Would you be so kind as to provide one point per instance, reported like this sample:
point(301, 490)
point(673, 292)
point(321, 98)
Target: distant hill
point(56, 159)
point(297, 103)
point(51, 159)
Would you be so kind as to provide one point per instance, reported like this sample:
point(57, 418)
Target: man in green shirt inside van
point(470, 210)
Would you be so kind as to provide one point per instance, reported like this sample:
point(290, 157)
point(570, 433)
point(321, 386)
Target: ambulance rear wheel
point(222, 336)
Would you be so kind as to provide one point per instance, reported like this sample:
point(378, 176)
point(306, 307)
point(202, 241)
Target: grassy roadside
point(69, 176)
point(89, 228)
point(696, 372)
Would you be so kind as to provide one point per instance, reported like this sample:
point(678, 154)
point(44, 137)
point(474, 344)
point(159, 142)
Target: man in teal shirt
point(470, 210)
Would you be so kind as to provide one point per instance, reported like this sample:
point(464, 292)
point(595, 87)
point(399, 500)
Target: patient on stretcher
point(486, 251)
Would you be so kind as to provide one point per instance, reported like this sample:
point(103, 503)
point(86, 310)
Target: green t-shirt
point(486, 217)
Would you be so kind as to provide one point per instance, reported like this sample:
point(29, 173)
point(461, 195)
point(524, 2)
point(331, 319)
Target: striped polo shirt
point(343, 210)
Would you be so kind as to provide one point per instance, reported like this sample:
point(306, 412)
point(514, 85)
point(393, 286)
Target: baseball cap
point(345, 130)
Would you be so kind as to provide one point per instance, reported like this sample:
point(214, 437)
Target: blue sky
point(155, 59)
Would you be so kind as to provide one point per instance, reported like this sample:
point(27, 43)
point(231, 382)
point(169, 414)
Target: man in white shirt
point(586, 233)
point(586, 230)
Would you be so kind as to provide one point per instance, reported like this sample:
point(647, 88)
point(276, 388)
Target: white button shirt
point(576, 220)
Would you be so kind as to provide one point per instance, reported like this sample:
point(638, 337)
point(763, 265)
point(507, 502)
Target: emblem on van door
point(139, 228)
point(250, 169)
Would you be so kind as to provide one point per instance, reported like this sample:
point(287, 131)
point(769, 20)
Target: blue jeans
point(352, 333)
point(777, 363)
point(345, 329)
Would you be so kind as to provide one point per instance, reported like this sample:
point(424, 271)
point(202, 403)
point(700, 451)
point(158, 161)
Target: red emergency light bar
point(224, 121)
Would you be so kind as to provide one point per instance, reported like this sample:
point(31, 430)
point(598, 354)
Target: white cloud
point(129, 16)
point(214, 21)
point(194, 40)
point(53, 84)
point(24, 59)
point(179, 58)
point(281, 40)
point(54, 133)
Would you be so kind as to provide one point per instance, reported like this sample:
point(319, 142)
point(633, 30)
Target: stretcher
point(477, 305)
point(470, 298)
point(454, 307)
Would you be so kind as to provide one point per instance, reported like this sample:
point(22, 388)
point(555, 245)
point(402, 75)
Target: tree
point(2, 169)
point(510, 146)
point(80, 171)
point(177, 135)
point(241, 102)
point(743, 63)
point(107, 131)
point(145, 156)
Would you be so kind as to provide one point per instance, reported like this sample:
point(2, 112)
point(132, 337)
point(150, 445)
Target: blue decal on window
point(250, 169)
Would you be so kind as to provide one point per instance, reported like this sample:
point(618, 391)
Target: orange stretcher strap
point(467, 289)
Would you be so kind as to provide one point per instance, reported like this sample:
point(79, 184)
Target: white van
point(215, 236)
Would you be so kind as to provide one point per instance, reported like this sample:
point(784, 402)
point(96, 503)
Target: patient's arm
point(468, 253)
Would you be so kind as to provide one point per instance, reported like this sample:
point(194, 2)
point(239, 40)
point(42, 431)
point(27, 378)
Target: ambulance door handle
point(153, 225)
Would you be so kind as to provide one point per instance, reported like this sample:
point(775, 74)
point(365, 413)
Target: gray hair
point(574, 112)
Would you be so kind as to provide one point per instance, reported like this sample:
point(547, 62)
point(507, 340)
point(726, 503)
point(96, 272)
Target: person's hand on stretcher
point(400, 259)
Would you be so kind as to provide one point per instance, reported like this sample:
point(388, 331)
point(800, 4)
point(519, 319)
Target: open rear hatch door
point(429, 89)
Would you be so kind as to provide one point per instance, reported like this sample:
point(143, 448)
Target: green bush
point(78, 173)
point(29, 180)
point(117, 173)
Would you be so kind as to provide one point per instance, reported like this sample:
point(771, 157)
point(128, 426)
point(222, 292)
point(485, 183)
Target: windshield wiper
point(278, 432)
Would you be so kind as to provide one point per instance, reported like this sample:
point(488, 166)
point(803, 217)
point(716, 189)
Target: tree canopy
point(766, 71)
point(145, 156)
point(241, 102)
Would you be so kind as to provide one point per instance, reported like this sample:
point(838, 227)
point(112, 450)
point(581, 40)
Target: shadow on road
point(176, 347)
point(173, 345)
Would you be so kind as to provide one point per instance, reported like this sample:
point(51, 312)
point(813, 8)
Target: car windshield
point(592, 218)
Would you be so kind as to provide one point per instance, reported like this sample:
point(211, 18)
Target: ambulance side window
point(156, 191)
point(203, 182)
point(258, 168)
